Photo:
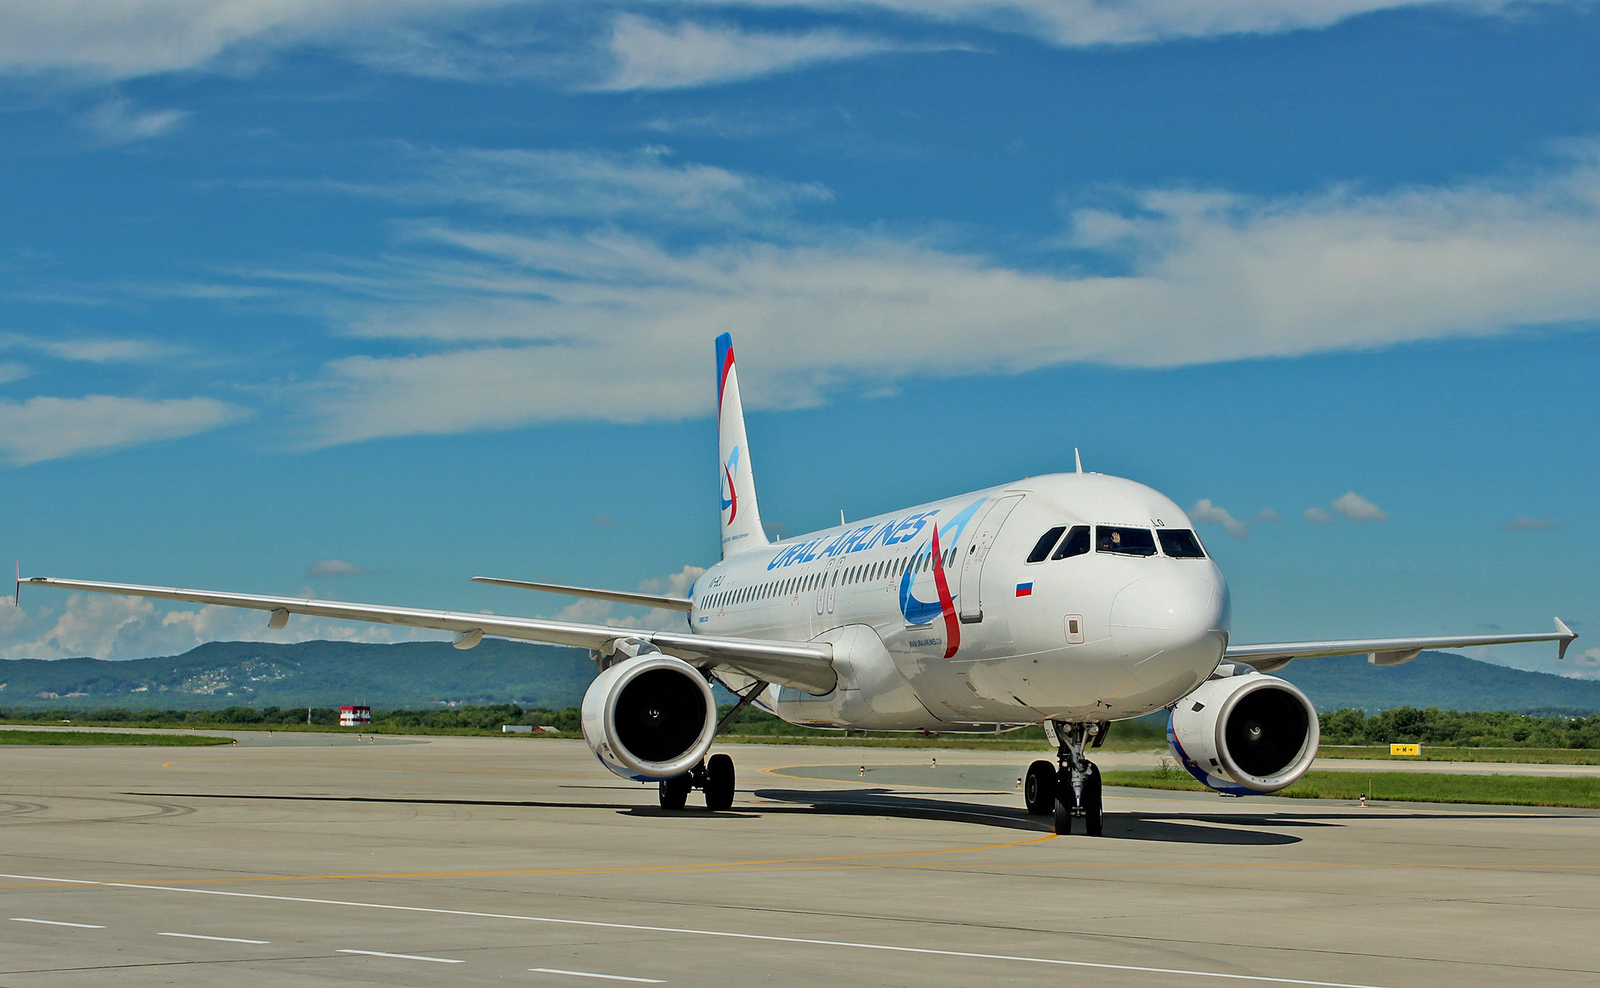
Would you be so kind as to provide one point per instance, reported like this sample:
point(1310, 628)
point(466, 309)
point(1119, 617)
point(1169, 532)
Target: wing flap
point(805, 666)
point(1381, 651)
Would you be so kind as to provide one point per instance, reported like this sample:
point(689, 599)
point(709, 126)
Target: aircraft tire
point(1065, 804)
point(719, 782)
point(674, 792)
point(1039, 788)
point(1094, 817)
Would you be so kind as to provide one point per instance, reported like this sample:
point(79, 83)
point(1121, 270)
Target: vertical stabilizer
point(741, 518)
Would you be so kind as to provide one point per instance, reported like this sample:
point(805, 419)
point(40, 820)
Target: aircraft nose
point(1178, 619)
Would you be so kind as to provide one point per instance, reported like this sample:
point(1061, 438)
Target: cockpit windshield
point(1180, 543)
point(1127, 541)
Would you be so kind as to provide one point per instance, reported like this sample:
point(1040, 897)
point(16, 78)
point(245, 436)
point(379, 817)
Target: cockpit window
point(1180, 542)
point(1046, 542)
point(1127, 541)
point(1075, 544)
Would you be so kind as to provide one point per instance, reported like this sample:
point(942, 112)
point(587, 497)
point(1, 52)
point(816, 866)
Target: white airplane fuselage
point(1102, 634)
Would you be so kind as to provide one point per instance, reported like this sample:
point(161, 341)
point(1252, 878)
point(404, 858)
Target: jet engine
point(1245, 734)
point(649, 717)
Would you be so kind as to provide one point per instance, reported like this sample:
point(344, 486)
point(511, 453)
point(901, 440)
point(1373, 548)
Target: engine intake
point(1245, 734)
point(649, 717)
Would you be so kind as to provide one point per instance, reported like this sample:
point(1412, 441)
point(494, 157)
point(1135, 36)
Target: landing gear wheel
point(1094, 817)
point(1065, 804)
point(1039, 788)
point(719, 782)
point(674, 792)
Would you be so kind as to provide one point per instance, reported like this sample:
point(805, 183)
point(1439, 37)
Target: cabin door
point(969, 565)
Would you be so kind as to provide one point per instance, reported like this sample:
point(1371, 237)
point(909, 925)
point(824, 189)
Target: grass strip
point(1402, 787)
point(1433, 753)
point(107, 738)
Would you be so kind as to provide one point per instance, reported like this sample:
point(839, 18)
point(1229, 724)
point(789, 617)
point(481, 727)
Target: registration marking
point(201, 936)
point(55, 922)
point(404, 957)
point(591, 974)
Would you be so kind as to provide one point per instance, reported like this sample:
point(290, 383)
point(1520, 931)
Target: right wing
point(806, 666)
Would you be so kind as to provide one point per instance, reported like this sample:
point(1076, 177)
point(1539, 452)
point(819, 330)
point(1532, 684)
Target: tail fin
point(741, 518)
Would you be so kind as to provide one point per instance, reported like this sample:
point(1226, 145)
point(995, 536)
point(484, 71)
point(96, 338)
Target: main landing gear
point(1072, 790)
point(714, 776)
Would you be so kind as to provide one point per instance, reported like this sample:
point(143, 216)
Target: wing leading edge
point(1381, 651)
point(806, 666)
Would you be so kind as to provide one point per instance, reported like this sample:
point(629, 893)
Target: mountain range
point(432, 674)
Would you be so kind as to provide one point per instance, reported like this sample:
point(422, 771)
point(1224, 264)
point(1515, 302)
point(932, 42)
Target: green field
point(1401, 787)
point(106, 738)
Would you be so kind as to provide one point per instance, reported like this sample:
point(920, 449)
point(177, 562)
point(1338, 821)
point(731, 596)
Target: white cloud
point(1357, 508)
point(1585, 665)
point(50, 428)
point(652, 55)
point(117, 121)
point(1317, 516)
point(1268, 515)
point(118, 39)
point(533, 323)
point(10, 371)
point(333, 567)
point(1205, 511)
point(673, 584)
point(1529, 524)
point(88, 349)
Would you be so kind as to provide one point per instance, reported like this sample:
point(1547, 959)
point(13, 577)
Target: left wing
point(806, 666)
point(1381, 651)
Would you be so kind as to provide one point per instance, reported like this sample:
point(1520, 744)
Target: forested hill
point(423, 674)
point(1439, 679)
point(318, 673)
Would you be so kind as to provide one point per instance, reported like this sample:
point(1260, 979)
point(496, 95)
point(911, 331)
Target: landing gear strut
point(1072, 791)
point(714, 776)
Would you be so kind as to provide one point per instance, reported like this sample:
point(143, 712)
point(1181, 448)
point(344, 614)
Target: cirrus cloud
point(51, 428)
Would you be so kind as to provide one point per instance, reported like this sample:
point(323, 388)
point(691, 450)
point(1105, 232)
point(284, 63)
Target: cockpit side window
point(1125, 541)
point(1180, 543)
point(1046, 542)
point(1075, 544)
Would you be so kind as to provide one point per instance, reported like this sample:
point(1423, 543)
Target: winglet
point(1568, 636)
point(16, 596)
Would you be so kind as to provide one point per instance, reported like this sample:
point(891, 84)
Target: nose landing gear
point(1072, 790)
point(714, 776)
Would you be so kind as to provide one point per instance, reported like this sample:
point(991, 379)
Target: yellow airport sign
point(1405, 749)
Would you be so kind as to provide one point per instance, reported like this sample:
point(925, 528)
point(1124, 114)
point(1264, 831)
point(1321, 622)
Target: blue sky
point(368, 298)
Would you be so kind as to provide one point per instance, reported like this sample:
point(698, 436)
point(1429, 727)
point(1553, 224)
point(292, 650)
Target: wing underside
point(806, 666)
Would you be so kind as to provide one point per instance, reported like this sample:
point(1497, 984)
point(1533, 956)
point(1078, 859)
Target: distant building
point(355, 716)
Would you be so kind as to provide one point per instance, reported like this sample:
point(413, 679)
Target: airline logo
point(923, 612)
point(730, 470)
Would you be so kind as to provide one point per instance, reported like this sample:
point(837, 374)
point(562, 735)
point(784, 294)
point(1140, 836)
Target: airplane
point(1069, 600)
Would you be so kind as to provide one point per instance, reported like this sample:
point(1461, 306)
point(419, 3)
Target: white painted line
point(404, 957)
point(200, 936)
point(723, 934)
point(589, 974)
point(55, 922)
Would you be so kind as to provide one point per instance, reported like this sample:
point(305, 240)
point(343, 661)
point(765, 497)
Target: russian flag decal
point(1024, 590)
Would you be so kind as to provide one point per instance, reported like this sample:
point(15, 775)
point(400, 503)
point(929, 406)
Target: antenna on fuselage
point(841, 516)
point(1077, 458)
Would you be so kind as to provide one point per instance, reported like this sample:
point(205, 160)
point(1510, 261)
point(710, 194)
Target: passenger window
point(1125, 541)
point(1046, 542)
point(1075, 544)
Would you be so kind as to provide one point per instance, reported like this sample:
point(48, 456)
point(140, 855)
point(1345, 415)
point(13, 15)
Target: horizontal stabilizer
point(614, 596)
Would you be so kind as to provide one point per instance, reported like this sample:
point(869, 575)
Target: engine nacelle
point(649, 717)
point(1245, 734)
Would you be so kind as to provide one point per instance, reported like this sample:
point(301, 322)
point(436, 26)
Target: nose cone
point(1171, 627)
